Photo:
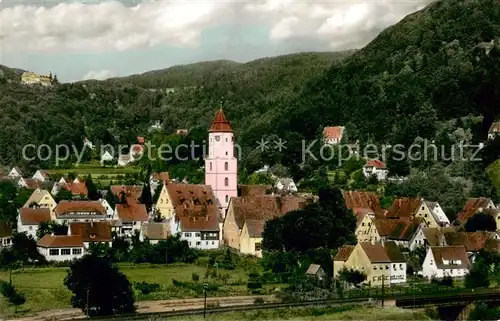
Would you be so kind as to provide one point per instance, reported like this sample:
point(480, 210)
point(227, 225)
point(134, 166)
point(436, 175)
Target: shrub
point(146, 288)
point(195, 276)
point(258, 301)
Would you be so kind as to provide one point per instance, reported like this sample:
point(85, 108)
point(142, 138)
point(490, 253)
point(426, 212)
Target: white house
point(106, 157)
point(61, 247)
point(155, 232)
point(109, 210)
point(29, 219)
point(131, 215)
point(438, 213)
point(198, 225)
point(41, 175)
point(80, 211)
point(333, 135)
point(15, 172)
point(286, 185)
point(28, 183)
point(375, 167)
point(441, 261)
point(5, 235)
point(418, 239)
point(124, 160)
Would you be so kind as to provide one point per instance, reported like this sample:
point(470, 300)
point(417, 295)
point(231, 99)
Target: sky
point(93, 39)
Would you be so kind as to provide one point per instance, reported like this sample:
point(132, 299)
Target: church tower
point(221, 165)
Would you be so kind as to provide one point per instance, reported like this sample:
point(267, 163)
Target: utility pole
point(87, 306)
point(383, 293)
point(205, 287)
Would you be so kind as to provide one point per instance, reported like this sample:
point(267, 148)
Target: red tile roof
point(34, 216)
point(220, 124)
point(200, 217)
point(65, 207)
point(75, 188)
point(162, 176)
point(132, 192)
point(132, 212)
point(471, 207)
point(388, 252)
point(363, 202)
point(404, 229)
point(92, 231)
point(344, 253)
point(255, 227)
point(450, 253)
point(60, 241)
point(194, 194)
point(473, 241)
point(253, 190)
point(31, 183)
point(404, 207)
point(384, 226)
point(375, 163)
point(333, 132)
point(264, 207)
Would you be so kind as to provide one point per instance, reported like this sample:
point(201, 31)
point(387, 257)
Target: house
point(381, 262)
point(28, 183)
point(31, 78)
point(375, 167)
point(41, 198)
point(80, 211)
point(106, 157)
point(175, 194)
point(315, 271)
point(333, 135)
point(92, 232)
point(494, 130)
point(110, 212)
point(198, 224)
point(131, 215)
point(286, 185)
point(404, 230)
point(407, 207)
point(87, 143)
point(251, 237)
point(78, 190)
point(29, 219)
point(67, 180)
point(41, 175)
point(340, 259)
point(155, 232)
point(363, 202)
point(15, 172)
point(473, 206)
point(254, 190)
point(261, 208)
point(61, 247)
point(124, 160)
point(434, 236)
point(364, 222)
point(5, 235)
point(472, 241)
point(156, 179)
point(441, 261)
point(132, 192)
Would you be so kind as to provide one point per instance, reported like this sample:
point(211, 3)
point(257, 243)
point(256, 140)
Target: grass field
point(44, 288)
point(326, 314)
point(95, 170)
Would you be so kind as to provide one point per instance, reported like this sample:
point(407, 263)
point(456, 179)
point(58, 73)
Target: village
point(223, 214)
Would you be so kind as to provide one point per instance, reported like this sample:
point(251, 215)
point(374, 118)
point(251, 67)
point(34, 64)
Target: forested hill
point(264, 69)
point(436, 64)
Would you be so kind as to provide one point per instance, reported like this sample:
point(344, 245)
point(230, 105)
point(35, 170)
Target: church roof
point(220, 124)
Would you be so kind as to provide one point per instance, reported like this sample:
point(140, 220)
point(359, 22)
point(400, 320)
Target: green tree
point(93, 194)
point(353, 277)
point(14, 297)
point(481, 222)
point(99, 288)
point(64, 195)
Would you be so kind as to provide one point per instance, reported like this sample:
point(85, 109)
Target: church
point(221, 165)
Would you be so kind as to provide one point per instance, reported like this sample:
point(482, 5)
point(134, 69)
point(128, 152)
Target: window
point(423, 208)
point(227, 198)
point(213, 242)
point(226, 139)
point(217, 138)
point(210, 165)
point(374, 267)
point(363, 224)
point(226, 166)
point(226, 181)
point(198, 234)
point(65, 251)
point(54, 252)
point(187, 234)
point(394, 266)
point(257, 247)
point(401, 266)
point(387, 267)
point(198, 243)
point(30, 227)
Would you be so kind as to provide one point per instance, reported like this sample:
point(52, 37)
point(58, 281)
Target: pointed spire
point(220, 123)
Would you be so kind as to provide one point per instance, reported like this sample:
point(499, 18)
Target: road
point(154, 307)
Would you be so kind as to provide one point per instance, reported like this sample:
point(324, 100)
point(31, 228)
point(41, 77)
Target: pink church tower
point(221, 167)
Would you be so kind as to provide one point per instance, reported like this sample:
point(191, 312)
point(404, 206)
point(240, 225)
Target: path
point(152, 307)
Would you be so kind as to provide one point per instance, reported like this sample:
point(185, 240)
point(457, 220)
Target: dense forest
point(432, 76)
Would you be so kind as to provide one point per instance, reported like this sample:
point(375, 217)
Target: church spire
point(220, 123)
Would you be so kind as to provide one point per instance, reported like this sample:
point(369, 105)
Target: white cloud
point(112, 25)
point(99, 75)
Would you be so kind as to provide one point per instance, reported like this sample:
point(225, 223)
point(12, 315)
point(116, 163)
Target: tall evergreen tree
point(92, 189)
